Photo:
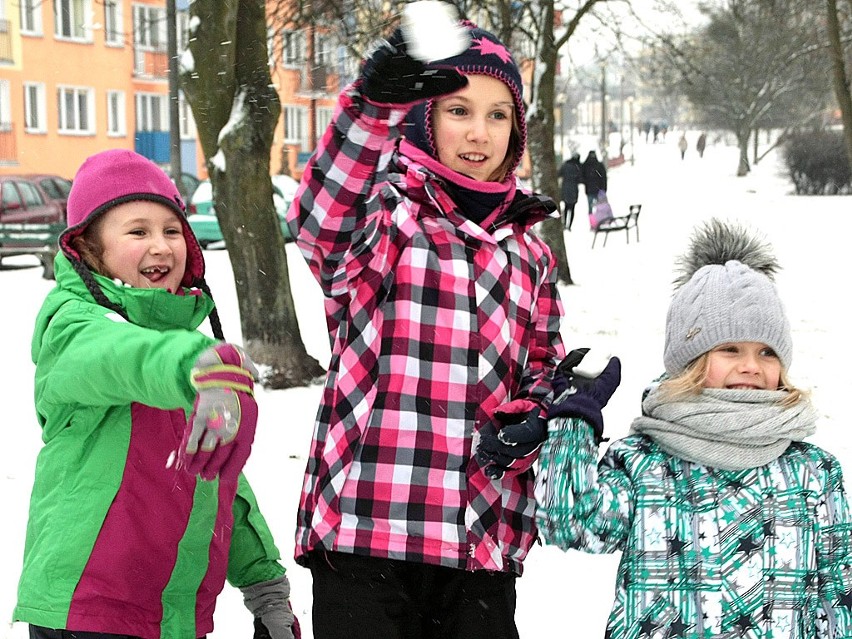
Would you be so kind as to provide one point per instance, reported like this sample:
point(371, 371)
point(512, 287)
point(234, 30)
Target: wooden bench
point(621, 223)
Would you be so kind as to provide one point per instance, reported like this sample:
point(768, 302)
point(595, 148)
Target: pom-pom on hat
point(725, 293)
point(116, 176)
point(485, 55)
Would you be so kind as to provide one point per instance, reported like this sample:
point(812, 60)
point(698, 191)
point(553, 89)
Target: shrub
point(817, 163)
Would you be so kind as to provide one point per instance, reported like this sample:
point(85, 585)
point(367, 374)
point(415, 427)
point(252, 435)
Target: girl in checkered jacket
point(443, 317)
point(729, 524)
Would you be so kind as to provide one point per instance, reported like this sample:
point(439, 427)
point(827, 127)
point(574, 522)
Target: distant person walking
point(682, 144)
point(701, 144)
point(571, 173)
point(594, 178)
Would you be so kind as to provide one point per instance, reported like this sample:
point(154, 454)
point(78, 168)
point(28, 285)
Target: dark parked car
point(30, 219)
point(55, 187)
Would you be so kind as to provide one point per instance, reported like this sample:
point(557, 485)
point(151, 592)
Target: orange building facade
point(80, 76)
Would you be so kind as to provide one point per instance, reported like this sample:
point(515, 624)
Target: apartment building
point(80, 76)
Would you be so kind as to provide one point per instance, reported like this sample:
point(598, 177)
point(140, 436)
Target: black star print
point(676, 546)
point(809, 578)
point(678, 628)
point(826, 465)
point(769, 528)
point(747, 545)
point(647, 627)
point(846, 599)
point(736, 485)
point(744, 623)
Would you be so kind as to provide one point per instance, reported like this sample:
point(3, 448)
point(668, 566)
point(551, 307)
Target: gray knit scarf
point(726, 429)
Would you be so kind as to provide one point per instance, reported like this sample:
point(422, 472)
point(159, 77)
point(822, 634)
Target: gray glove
point(220, 431)
point(269, 602)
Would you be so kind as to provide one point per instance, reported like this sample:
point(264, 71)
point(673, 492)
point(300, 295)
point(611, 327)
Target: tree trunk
point(540, 134)
point(236, 109)
point(840, 78)
point(742, 143)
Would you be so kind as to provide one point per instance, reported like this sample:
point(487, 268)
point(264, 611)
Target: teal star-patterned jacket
point(763, 553)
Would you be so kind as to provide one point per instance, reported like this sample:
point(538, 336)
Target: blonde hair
point(691, 382)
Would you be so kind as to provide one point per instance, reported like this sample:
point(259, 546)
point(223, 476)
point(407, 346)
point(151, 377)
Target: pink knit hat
point(116, 176)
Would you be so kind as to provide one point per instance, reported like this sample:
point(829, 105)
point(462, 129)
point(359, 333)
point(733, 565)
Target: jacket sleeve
point(546, 349)
point(834, 557)
point(253, 556)
point(337, 217)
point(90, 357)
point(582, 504)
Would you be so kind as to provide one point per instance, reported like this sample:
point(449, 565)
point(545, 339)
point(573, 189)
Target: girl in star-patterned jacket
point(444, 319)
point(729, 524)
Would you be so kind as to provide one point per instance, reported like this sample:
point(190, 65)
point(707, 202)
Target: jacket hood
point(151, 308)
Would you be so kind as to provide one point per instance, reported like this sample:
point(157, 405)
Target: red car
point(30, 219)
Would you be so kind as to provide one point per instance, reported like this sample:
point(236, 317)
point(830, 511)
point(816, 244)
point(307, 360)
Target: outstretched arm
point(582, 504)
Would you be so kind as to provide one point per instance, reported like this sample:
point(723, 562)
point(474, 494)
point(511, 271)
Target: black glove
point(520, 436)
point(391, 76)
point(583, 386)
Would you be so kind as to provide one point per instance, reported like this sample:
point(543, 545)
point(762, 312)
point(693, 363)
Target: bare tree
point(226, 81)
point(754, 66)
point(840, 73)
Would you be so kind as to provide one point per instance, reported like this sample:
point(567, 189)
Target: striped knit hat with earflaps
point(725, 293)
point(113, 177)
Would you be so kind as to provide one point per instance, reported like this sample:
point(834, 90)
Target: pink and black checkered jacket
point(434, 323)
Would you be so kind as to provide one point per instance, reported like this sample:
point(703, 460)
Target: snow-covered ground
point(618, 303)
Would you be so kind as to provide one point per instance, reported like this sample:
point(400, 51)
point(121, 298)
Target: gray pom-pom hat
point(725, 293)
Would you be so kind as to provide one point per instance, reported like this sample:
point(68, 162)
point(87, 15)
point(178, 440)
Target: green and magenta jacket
point(762, 553)
point(118, 540)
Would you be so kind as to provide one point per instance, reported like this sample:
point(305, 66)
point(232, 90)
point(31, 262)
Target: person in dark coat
point(571, 173)
point(701, 144)
point(594, 178)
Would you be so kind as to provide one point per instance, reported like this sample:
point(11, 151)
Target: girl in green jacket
point(729, 524)
point(139, 511)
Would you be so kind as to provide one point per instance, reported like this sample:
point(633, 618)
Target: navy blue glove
point(391, 76)
point(512, 448)
point(583, 386)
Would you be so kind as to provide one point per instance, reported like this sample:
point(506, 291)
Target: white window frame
point(113, 23)
point(5, 105)
point(79, 14)
point(31, 17)
point(181, 30)
point(293, 47)
point(323, 119)
point(35, 107)
point(152, 112)
point(75, 121)
point(149, 28)
point(116, 108)
point(188, 130)
point(324, 48)
point(296, 126)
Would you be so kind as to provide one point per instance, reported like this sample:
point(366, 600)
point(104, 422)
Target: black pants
point(361, 597)
point(37, 632)
point(567, 214)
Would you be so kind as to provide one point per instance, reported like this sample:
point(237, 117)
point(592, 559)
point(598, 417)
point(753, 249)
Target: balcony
point(8, 144)
point(150, 64)
point(5, 42)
